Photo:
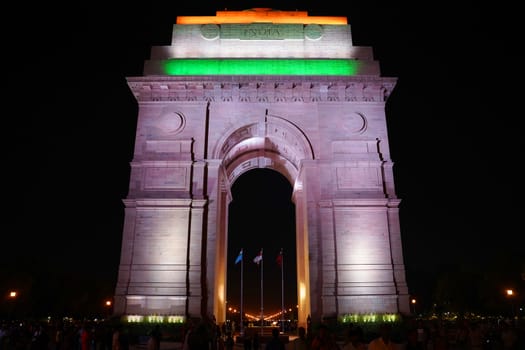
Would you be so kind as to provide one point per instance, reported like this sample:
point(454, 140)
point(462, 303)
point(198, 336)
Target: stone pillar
point(221, 249)
point(303, 259)
point(152, 278)
point(328, 257)
point(214, 246)
point(397, 257)
point(196, 262)
point(309, 180)
point(365, 272)
point(124, 272)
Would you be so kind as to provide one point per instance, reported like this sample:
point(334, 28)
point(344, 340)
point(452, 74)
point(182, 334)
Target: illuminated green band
point(260, 67)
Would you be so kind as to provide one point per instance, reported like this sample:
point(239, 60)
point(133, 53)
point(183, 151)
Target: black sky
point(455, 124)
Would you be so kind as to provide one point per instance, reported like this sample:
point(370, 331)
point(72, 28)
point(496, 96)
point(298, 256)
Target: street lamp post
point(13, 294)
point(229, 320)
point(413, 303)
point(108, 304)
point(510, 295)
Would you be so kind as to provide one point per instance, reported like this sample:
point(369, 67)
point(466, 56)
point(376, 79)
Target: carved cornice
point(262, 88)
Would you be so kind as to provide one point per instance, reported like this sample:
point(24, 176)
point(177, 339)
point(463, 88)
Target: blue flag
point(239, 257)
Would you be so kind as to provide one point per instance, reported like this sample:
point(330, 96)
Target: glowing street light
point(13, 294)
point(510, 295)
point(108, 305)
point(413, 302)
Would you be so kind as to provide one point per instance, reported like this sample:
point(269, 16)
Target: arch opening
point(261, 215)
point(276, 145)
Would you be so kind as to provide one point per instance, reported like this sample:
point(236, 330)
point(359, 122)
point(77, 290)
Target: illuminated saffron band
point(264, 15)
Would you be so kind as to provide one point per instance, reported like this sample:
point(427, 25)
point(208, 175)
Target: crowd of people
point(207, 335)
point(417, 334)
point(81, 335)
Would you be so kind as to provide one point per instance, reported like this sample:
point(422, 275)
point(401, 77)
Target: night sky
point(455, 123)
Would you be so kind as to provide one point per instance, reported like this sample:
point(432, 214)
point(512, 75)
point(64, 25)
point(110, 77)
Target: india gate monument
point(244, 90)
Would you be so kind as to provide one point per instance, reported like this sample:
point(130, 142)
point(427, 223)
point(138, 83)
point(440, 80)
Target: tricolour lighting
point(265, 15)
point(340, 67)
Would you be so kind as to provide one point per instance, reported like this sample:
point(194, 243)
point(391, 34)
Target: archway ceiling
point(261, 152)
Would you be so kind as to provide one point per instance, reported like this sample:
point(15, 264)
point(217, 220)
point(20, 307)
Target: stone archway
point(277, 144)
point(261, 215)
point(216, 103)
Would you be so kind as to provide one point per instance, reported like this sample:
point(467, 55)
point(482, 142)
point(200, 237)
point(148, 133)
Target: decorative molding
point(262, 88)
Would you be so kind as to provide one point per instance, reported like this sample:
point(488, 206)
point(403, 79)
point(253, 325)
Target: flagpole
point(282, 290)
point(240, 259)
point(242, 323)
point(262, 308)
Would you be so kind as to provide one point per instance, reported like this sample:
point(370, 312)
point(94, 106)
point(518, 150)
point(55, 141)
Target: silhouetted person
point(309, 327)
point(124, 339)
point(509, 337)
point(199, 339)
point(215, 331)
point(354, 339)
point(462, 335)
point(383, 341)
point(412, 342)
point(324, 339)
point(247, 342)
point(255, 340)
point(85, 337)
point(40, 340)
point(186, 336)
point(300, 343)
point(154, 338)
point(275, 343)
point(229, 342)
point(115, 338)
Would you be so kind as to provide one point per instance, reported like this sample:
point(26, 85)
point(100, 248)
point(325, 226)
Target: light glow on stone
point(134, 318)
point(302, 293)
point(175, 319)
point(341, 67)
point(154, 319)
point(370, 318)
point(221, 294)
point(298, 185)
